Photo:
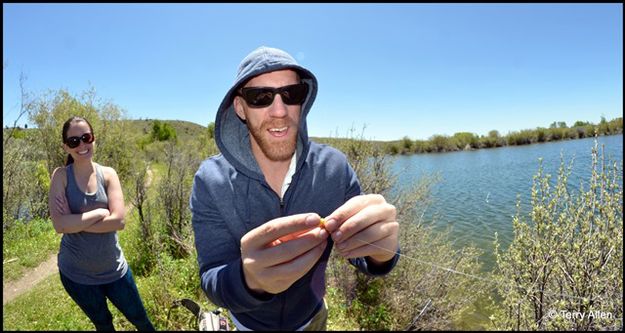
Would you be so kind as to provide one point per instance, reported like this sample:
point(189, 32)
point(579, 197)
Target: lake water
point(477, 191)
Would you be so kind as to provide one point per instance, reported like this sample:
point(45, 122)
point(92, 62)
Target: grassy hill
point(185, 130)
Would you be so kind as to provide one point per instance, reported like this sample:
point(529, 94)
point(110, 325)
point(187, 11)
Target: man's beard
point(275, 151)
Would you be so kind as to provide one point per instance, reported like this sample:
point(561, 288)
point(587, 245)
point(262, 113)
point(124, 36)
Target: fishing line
point(467, 274)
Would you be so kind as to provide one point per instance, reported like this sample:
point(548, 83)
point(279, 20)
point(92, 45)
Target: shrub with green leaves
point(398, 300)
point(162, 131)
point(567, 260)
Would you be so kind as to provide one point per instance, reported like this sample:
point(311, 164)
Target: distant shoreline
point(461, 141)
point(507, 146)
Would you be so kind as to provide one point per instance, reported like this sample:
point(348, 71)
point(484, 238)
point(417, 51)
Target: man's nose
point(278, 109)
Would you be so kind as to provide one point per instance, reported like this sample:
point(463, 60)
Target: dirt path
point(15, 288)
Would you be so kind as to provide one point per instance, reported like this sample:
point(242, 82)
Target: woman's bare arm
point(63, 220)
point(115, 221)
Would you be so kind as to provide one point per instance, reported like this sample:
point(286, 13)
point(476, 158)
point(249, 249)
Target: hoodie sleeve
point(218, 253)
point(363, 263)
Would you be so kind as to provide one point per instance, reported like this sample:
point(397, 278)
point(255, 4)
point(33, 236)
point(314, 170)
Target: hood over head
point(231, 133)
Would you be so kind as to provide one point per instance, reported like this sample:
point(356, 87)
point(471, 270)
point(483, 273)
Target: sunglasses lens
point(295, 94)
point(87, 138)
point(263, 97)
point(259, 97)
point(74, 141)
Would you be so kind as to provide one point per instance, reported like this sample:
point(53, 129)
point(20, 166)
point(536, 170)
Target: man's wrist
point(377, 261)
point(377, 266)
point(253, 290)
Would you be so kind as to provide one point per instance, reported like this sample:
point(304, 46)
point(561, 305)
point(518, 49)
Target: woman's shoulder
point(106, 170)
point(59, 175)
point(59, 172)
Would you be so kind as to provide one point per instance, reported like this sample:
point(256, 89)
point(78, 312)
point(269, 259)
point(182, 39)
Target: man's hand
point(281, 251)
point(365, 226)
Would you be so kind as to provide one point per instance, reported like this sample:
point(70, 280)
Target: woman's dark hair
point(66, 125)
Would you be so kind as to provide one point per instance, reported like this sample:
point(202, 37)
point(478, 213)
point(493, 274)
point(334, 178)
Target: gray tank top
point(85, 257)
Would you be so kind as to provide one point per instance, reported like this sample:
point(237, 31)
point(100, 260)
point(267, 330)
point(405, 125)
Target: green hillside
point(185, 130)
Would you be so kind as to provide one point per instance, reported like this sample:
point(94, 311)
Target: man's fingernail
point(330, 223)
point(337, 236)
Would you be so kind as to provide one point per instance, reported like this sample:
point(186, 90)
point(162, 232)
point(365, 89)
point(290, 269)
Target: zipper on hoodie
point(282, 212)
point(282, 206)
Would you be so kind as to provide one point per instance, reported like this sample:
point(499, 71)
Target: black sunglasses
point(260, 97)
point(74, 141)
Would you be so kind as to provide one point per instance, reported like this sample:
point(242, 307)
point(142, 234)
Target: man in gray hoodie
point(257, 206)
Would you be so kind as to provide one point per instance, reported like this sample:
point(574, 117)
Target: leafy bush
point(395, 301)
point(162, 131)
point(174, 192)
point(568, 258)
point(24, 185)
point(465, 140)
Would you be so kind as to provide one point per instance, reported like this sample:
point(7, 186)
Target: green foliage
point(162, 131)
point(338, 318)
point(14, 174)
point(422, 146)
point(368, 308)
point(38, 199)
point(114, 144)
point(393, 150)
point(115, 141)
point(558, 124)
point(158, 291)
point(47, 307)
point(30, 243)
point(24, 187)
point(211, 148)
point(406, 145)
point(49, 111)
point(174, 192)
point(541, 134)
point(18, 133)
point(524, 137)
point(158, 241)
point(394, 302)
point(145, 253)
point(568, 258)
point(164, 279)
point(492, 140)
point(442, 143)
point(210, 130)
point(43, 177)
point(464, 140)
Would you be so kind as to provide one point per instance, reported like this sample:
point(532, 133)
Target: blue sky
point(399, 69)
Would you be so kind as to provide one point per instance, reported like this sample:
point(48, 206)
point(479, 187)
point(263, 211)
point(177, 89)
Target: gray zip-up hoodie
point(230, 197)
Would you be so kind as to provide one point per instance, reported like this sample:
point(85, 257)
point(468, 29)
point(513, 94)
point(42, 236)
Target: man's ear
point(238, 107)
